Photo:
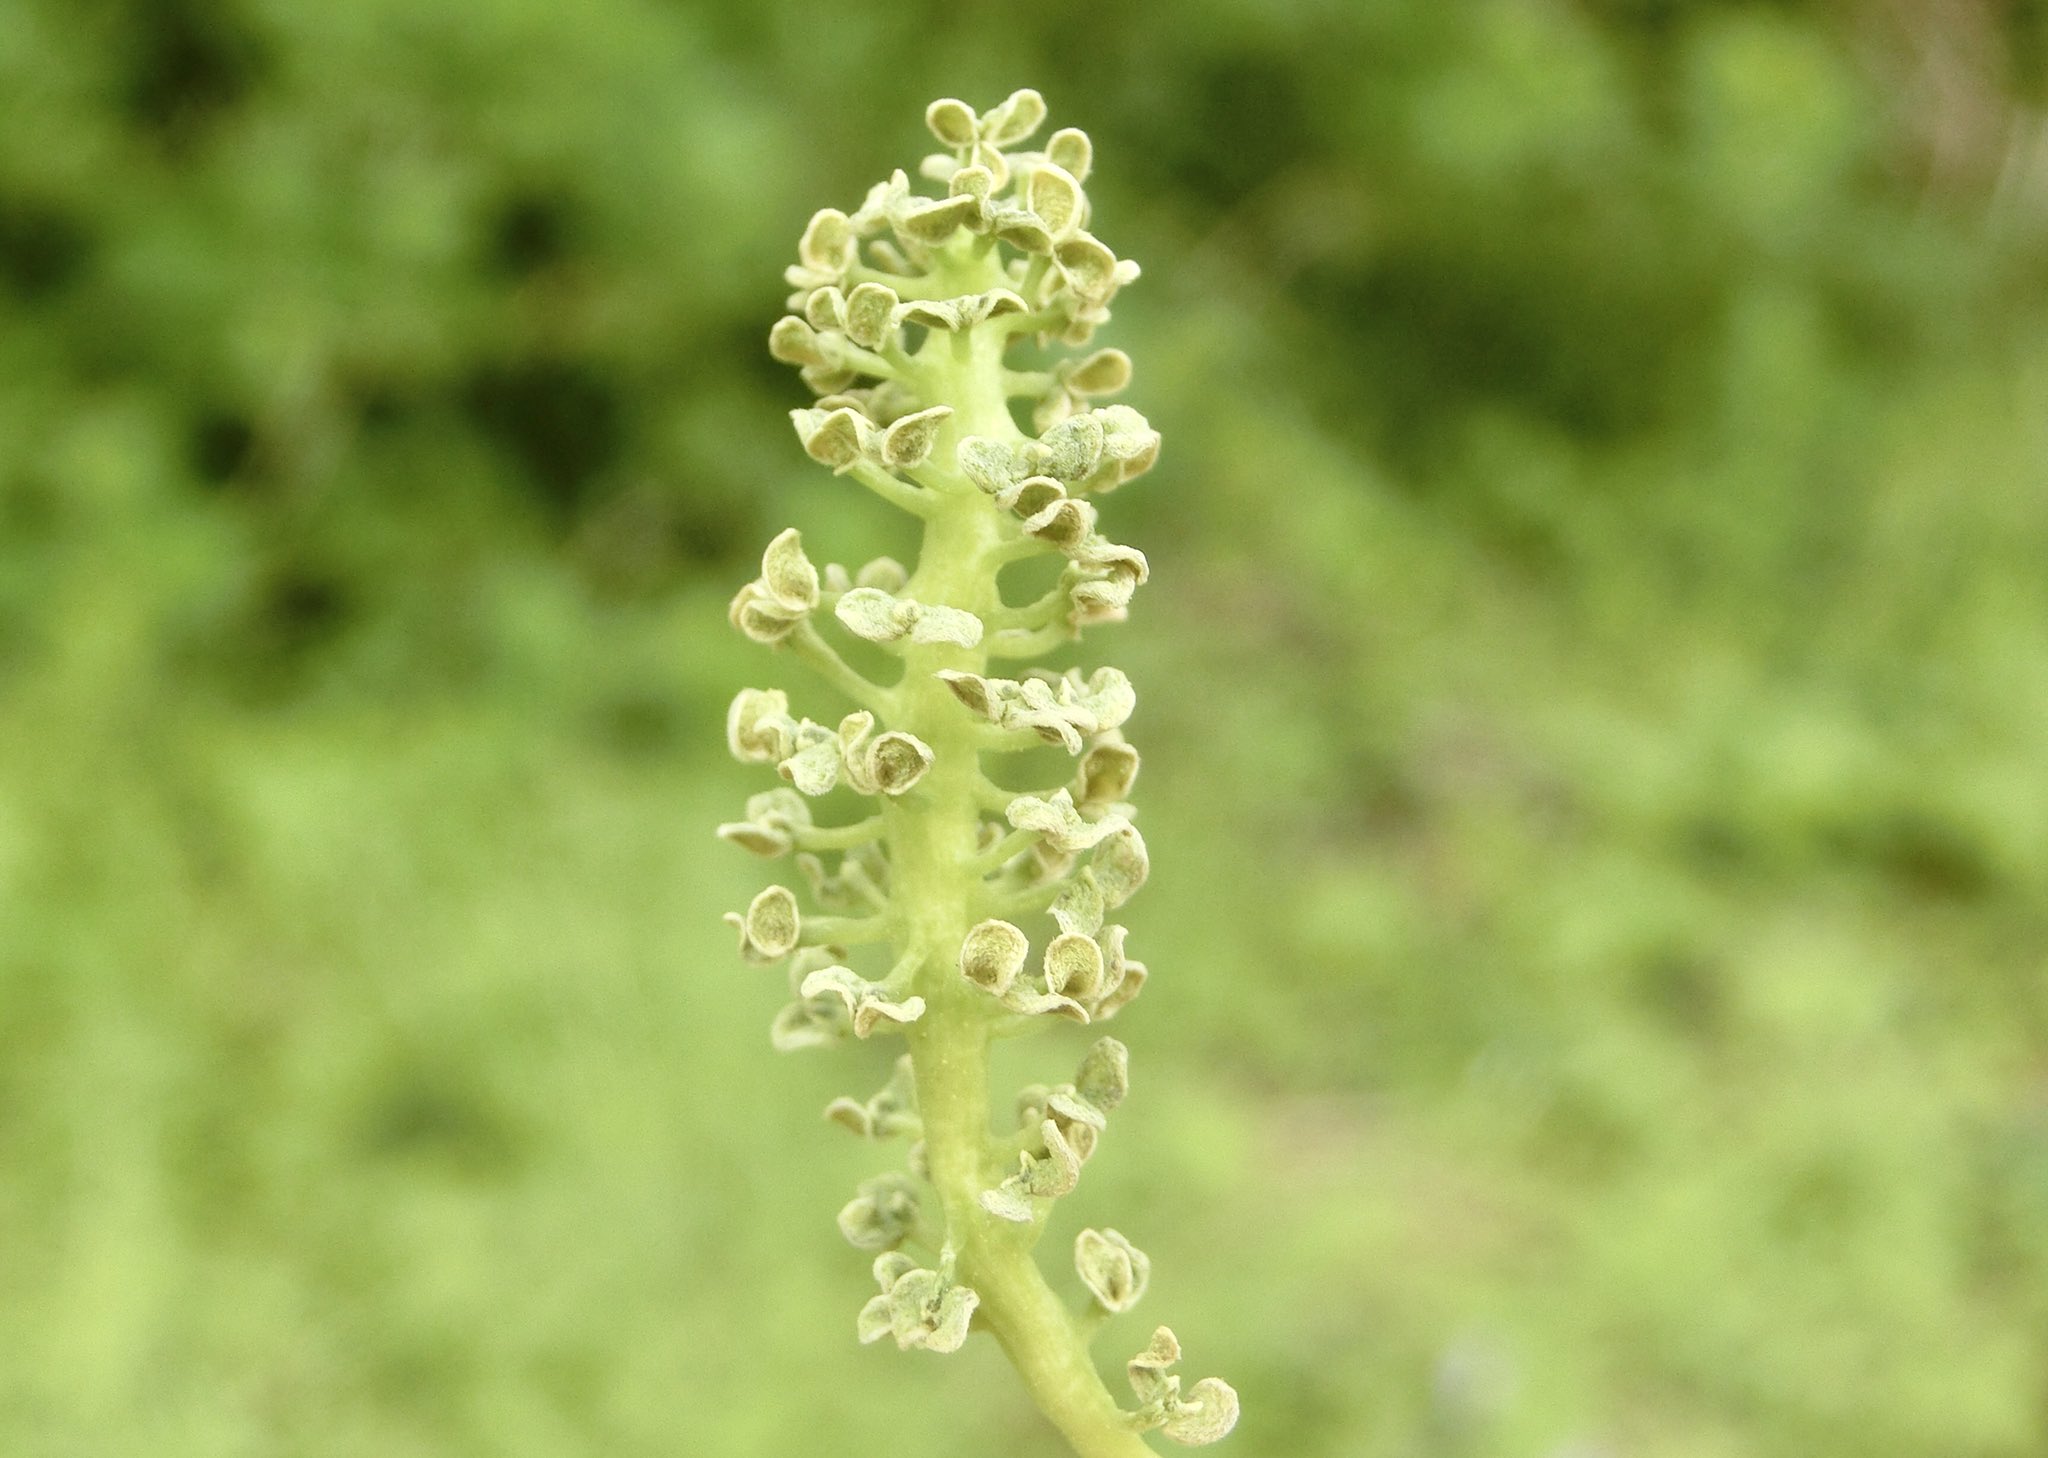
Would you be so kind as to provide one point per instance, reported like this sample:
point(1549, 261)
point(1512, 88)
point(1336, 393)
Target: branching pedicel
point(950, 861)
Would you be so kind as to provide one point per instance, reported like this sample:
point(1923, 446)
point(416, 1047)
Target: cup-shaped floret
point(869, 315)
point(1082, 1108)
point(1105, 372)
point(1079, 909)
point(828, 250)
point(1114, 1271)
point(1122, 977)
point(1104, 1077)
point(890, 1111)
point(978, 138)
point(1039, 1176)
point(919, 1308)
point(992, 955)
point(1063, 524)
point(952, 122)
point(1206, 1413)
point(1121, 865)
point(878, 617)
point(882, 1214)
point(810, 1022)
point(775, 818)
point(871, 1005)
point(1056, 199)
point(1101, 581)
point(888, 764)
point(758, 726)
point(1130, 448)
point(1070, 148)
point(951, 316)
point(886, 573)
point(859, 882)
point(1087, 267)
point(771, 926)
point(769, 608)
point(991, 465)
point(1073, 966)
point(1077, 381)
point(837, 438)
point(908, 440)
point(1060, 823)
point(814, 761)
point(1106, 774)
point(1058, 708)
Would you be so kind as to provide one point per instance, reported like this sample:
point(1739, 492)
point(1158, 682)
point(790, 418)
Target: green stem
point(1003, 852)
point(1032, 643)
point(839, 837)
point(938, 896)
point(844, 931)
point(898, 493)
point(824, 660)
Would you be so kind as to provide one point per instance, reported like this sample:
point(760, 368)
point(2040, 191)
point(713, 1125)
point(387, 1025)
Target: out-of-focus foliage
point(1596, 673)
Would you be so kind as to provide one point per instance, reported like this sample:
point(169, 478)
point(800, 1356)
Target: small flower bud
point(992, 956)
point(870, 314)
point(1104, 1078)
point(824, 308)
point(908, 442)
point(891, 1111)
point(791, 580)
point(972, 181)
point(815, 765)
point(1060, 823)
point(829, 242)
point(835, 438)
point(1088, 267)
point(1024, 231)
point(774, 819)
point(1014, 119)
point(1105, 372)
point(1071, 448)
point(941, 314)
point(867, 1003)
point(935, 222)
point(758, 727)
point(1073, 966)
point(1070, 148)
point(793, 341)
point(1032, 495)
point(885, 573)
point(1063, 524)
point(870, 613)
point(881, 1215)
point(771, 927)
point(1108, 771)
point(952, 122)
point(1114, 1271)
point(919, 1308)
point(1121, 866)
point(888, 765)
point(989, 464)
point(1056, 198)
point(1207, 1413)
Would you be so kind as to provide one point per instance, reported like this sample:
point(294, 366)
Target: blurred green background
point(1593, 691)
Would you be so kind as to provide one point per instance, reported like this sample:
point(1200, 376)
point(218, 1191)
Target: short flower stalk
point(929, 325)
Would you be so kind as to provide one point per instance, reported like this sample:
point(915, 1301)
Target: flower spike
point(990, 906)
